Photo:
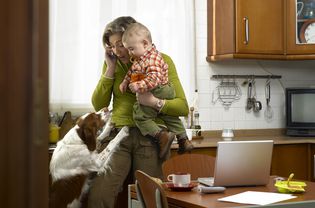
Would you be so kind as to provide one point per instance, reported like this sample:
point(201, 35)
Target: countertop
point(211, 138)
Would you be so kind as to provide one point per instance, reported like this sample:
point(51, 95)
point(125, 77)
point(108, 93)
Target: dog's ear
point(89, 138)
point(87, 130)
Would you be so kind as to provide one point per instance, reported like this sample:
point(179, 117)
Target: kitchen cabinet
point(291, 158)
point(259, 29)
point(259, 26)
point(300, 19)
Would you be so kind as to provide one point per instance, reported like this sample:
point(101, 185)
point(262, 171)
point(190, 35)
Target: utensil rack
point(246, 77)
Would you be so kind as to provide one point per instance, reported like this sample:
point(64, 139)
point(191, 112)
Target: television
point(300, 111)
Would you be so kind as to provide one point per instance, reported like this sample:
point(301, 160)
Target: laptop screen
point(243, 163)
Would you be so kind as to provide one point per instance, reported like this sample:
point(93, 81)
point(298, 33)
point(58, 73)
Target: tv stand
point(301, 132)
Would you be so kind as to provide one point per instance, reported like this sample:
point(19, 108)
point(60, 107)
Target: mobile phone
point(111, 55)
point(109, 52)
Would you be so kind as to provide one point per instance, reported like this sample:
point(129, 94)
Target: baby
point(149, 73)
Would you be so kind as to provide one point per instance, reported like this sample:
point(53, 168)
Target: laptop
point(241, 163)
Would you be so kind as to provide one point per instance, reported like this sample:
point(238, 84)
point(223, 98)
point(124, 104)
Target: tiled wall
point(213, 116)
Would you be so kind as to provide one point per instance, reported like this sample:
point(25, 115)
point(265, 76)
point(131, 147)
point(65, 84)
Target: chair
point(149, 191)
point(198, 165)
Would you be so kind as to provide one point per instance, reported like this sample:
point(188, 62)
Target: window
point(77, 54)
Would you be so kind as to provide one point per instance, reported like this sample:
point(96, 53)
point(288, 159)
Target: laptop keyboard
point(208, 181)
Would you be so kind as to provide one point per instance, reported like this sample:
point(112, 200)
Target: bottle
point(191, 118)
point(193, 109)
point(195, 115)
point(197, 126)
point(53, 128)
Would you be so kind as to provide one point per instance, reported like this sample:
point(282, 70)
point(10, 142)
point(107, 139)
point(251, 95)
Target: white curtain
point(77, 55)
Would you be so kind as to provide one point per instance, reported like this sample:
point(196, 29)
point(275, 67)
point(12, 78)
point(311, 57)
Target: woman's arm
point(103, 91)
point(177, 106)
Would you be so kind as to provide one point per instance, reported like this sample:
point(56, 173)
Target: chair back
point(149, 191)
point(198, 165)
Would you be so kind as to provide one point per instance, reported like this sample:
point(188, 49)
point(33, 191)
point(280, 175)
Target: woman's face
point(118, 48)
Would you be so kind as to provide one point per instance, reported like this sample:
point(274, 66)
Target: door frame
point(24, 103)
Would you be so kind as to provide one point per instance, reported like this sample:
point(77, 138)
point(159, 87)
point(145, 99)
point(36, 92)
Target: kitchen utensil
point(268, 111)
point(228, 91)
point(249, 104)
point(257, 106)
point(252, 103)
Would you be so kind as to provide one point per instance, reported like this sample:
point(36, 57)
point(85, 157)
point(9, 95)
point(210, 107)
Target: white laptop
point(241, 163)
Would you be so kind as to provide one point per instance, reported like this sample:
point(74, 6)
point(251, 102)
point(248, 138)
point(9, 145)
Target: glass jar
point(309, 10)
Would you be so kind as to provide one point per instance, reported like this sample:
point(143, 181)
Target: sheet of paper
point(257, 198)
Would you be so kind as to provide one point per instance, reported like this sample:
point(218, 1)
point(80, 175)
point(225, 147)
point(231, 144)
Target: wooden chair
point(149, 191)
point(198, 165)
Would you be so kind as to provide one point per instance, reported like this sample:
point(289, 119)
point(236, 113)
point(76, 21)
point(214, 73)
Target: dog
point(75, 158)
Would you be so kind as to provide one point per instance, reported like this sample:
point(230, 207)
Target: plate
point(180, 188)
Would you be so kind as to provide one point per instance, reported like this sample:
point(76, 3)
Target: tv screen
point(303, 108)
point(300, 111)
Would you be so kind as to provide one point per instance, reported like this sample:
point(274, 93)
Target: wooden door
point(264, 20)
point(293, 33)
point(24, 103)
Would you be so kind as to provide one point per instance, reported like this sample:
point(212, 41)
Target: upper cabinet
point(261, 29)
point(301, 27)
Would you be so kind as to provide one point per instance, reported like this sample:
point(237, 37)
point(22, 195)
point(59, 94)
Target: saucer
point(180, 188)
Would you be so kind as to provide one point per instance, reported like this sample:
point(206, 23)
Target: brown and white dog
point(74, 159)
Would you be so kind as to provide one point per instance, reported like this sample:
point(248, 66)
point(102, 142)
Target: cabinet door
point(297, 20)
point(291, 158)
point(260, 26)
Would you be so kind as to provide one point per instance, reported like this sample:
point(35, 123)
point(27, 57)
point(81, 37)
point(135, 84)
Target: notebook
point(241, 163)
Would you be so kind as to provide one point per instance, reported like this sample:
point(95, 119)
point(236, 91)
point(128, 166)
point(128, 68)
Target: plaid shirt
point(148, 71)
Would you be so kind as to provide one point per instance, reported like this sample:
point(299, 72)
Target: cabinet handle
point(246, 30)
point(314, 168)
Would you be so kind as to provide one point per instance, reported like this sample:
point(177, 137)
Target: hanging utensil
point(249, 104)
point(268, 111)
point(257, 106)
point(228, 92)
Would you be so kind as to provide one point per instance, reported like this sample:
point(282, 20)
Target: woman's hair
point(118, 25)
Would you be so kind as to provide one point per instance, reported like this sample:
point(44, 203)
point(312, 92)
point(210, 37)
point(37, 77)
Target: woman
point(134, 152)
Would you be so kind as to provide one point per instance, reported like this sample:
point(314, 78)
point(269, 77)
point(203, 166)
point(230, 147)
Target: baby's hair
point(137, 29)
point(118, 25)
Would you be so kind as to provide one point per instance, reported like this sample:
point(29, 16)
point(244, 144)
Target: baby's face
point(136, 48)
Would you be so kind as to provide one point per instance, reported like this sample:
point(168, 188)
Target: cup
point(189, 133)
point(227, 134)
point(179, 179)
point(193, 133)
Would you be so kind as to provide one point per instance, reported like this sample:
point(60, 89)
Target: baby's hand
point(134, 87)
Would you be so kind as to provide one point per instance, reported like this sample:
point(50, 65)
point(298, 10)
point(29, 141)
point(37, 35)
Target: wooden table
point(193, 199)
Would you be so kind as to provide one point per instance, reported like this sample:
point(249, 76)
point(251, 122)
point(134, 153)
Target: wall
point(213, 116)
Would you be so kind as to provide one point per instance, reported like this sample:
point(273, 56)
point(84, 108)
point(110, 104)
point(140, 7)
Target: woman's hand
point(148, 99)
point(110, 59)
